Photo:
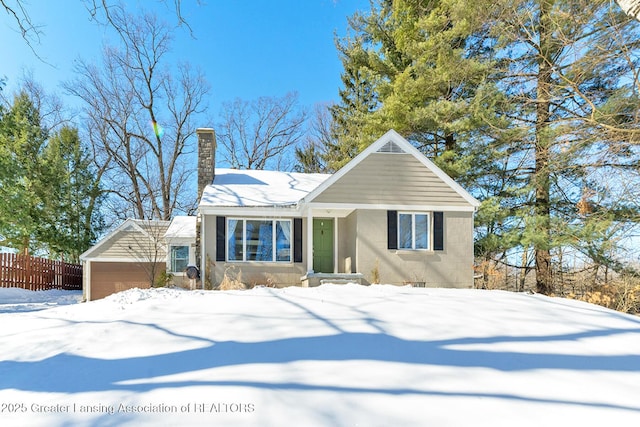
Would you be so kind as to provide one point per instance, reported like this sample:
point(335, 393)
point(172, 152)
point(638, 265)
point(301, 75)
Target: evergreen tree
point(72, 209)
point(22, 139)
point(530, 104)
point(408, 68)
point(49, 194)
point(567, 68)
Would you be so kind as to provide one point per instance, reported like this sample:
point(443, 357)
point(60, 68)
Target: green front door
point(322, 245)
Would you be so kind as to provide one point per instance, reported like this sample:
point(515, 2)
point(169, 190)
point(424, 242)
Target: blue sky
point(247, 48)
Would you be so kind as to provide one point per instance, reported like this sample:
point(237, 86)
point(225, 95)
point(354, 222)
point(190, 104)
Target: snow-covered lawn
point(329, 356)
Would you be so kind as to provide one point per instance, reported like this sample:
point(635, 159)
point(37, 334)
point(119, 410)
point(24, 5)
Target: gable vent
point(390, 147)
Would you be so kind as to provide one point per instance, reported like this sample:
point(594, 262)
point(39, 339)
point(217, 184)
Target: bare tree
point(260, 133)
point(140, 116)
point(147, 246)
point(314, 154)
point(18, 12)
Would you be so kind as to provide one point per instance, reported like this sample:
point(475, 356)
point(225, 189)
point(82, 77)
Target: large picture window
point(263, 240)
point(413, 230)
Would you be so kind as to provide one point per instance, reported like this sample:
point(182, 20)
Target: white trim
point(413, 214)
point(125, 259)
point(404, 145)
point(309, 241)
point(290, 211)
point(303, 209)
point(390, 207)
point(169, 262)
point(274, 237)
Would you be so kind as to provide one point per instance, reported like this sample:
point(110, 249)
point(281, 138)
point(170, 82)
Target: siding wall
point(131, 243)
point(391, 178)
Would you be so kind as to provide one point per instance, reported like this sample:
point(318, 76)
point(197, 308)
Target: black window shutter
point(221, 238)
point(297, 240)
point(438, 231)
point(392, 229)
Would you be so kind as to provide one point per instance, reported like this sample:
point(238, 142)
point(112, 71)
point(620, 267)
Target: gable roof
point(233, 188)
point(150, 229)
point(392, 142)
point(259, 188)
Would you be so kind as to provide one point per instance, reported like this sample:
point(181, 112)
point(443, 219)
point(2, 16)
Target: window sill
point(412, 251)
point(252, 262)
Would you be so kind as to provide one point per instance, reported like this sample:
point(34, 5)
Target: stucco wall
point(452, 267)
point(347, 234)
point(363, 236)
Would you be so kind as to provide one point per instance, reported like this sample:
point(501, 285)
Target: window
point(413, 231)
point(263, 240)
point(179, 258)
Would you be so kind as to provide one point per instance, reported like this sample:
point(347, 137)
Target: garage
point(132, 256)
point(110, 277)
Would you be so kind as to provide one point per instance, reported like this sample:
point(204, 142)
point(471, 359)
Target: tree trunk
point(541, 177)
point(525, 269)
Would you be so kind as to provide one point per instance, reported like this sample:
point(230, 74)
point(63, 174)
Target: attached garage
point(110, 277)
point(134, 255)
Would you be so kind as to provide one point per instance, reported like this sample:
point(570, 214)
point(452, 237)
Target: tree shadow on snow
point(68, 373)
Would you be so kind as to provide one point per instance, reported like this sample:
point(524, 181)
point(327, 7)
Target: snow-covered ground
point(16, 299)
point(328, 356)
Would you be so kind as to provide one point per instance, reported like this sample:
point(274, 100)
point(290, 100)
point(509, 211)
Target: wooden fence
point(38, 274)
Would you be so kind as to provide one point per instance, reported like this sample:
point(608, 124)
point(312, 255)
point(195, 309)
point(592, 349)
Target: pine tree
point(530, 104)
point(49, 193)
point(408, 68)
point(567, 69)
point(22, 139)
point(72, 210)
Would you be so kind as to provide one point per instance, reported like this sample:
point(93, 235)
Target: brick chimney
point(206, 173)
point(206, 157)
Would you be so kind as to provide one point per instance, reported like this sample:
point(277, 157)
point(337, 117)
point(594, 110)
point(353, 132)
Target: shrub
point(164, 279)
point(231, 281)
point(622, 294)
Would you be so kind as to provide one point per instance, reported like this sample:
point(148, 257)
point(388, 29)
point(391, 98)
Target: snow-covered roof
point(182, 227)
point(240, 188)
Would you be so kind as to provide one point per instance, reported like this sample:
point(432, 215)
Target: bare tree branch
point(146, 112)
point(260, 133)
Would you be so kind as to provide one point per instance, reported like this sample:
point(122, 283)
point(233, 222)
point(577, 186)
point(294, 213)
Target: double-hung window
point(413, 230)
point(263, 240)
point(179, 258)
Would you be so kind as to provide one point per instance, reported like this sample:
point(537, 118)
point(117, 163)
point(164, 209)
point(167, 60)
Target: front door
point(322, 245)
